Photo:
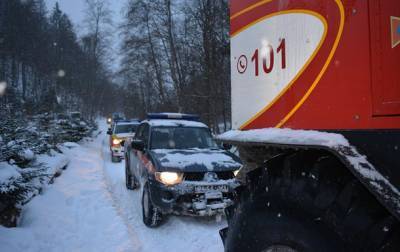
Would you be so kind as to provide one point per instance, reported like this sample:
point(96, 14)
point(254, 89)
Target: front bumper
point(118, 152)
point(186, 199)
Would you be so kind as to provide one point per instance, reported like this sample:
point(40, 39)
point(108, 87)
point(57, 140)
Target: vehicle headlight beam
point(116, 141)
point(169, 178)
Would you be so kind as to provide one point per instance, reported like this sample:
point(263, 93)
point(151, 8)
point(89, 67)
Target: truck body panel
point(326, 65)
point(315, 106)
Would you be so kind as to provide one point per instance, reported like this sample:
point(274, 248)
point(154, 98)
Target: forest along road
point(88, 208)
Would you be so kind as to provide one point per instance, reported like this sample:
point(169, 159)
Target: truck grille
point(198, 176)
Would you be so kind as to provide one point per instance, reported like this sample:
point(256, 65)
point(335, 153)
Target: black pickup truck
point(181, 170)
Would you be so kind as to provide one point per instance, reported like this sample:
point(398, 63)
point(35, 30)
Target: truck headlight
point(169, 178)
point(116, 141)
point(109, 120)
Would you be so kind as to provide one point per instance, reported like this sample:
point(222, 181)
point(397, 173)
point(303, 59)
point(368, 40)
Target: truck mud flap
point(229, 211)
point(223, 233)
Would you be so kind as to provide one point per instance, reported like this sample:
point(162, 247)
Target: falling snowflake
point(61, 73)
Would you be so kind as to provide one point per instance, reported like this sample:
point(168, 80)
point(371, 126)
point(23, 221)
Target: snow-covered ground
point(88, 208)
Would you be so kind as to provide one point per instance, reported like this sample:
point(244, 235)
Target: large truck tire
point(280, 228)
point(309, 203)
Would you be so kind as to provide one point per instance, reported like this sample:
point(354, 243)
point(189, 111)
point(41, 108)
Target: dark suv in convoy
point(179, 167)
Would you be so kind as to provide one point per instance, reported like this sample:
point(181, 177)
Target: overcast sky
point(75, 11)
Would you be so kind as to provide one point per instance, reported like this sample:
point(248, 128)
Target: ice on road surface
point(88, 208)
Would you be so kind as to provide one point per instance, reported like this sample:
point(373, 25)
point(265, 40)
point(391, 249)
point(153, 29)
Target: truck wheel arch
point(386, 193)
point(332, 171)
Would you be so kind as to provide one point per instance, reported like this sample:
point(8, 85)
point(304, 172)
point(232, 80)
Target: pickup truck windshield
point(181, 138)
point(125, 128)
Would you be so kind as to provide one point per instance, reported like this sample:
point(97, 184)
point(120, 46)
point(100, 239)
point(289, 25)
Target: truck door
point(385, 56)
point(139, 159)
point(134, 154)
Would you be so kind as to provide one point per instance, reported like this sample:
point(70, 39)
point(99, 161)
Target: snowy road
point(89, 209)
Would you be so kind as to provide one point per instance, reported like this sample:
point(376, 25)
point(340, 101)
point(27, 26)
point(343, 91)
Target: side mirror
point(137, 144)
point(226, 146)
point(109, 131)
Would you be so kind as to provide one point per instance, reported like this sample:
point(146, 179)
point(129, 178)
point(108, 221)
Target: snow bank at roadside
point(55, 161)
point(8, 174)
point(18, 185)
point(27, 154)
point(70, 144)
point(38, 174)
point(73, 214)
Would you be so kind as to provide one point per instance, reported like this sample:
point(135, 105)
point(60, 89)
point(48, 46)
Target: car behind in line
point(119, 132)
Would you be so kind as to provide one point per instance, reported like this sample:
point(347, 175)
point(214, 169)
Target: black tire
point(299, 209)
point(278, 228)
point(152, 216)
point(130, 180)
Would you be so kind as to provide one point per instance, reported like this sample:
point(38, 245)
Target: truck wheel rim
point(279, 248)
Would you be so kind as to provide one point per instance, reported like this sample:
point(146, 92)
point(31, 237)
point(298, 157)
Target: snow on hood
point(285, 136)
point(125, 135)
point(196, 160)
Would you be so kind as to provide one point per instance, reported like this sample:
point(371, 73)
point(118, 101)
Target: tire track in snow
point(132, 233)
point(177, 234)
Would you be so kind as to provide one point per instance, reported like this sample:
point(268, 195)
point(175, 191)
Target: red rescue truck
point(316, 113)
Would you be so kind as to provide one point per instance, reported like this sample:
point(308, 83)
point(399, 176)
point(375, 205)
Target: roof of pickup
point(174, 123)
point(126, 122)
